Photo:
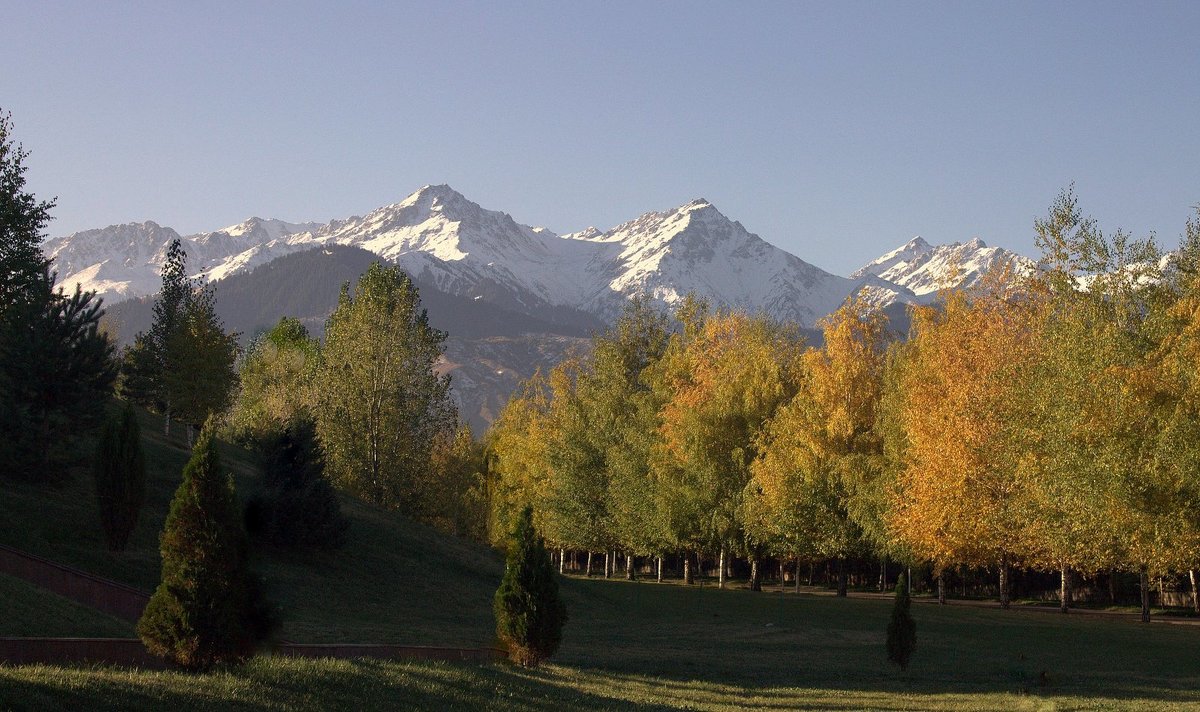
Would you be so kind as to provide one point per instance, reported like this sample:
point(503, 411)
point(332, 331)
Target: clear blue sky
point(835, 131)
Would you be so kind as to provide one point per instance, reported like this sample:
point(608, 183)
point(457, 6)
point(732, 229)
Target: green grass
point(30, 611)
point(627, 644)
point(670, 647)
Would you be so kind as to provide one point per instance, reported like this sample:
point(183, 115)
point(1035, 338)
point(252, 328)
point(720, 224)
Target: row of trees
point(1046, 420)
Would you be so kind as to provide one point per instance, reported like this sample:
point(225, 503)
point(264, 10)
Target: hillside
point(394, 581)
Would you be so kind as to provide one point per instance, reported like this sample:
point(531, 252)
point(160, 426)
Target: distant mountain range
point(512, 296)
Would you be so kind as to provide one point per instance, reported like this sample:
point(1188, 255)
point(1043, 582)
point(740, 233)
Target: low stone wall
point(103, 594)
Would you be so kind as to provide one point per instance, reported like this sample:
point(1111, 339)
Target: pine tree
point(160, 340)
point(120, 474)
point(201, 355)
point(902, 629)
point(529, 613)
point(55, 365)
point(208, 608)
point(297, 506)
point(22, 220)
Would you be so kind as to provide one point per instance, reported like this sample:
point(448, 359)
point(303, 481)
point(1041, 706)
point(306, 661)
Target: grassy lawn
point(627, 644)
point(670, 647)
point(30, 611)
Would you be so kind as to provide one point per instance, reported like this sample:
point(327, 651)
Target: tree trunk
point(882, 574)
point(562, 560)
point(629, 567)
point(941, 588)
point(812, 572)
point(908, 579)
point(1195, 597)
point(841, 577)
point(589, 565)
point(608, 564)
point(1112, 586)
point(1064, 594)
point(755, 575)
point(721, 570)
point(687, 568)
point(797, 574)
point(1004, 602)
point(660, 565)
point(1145, 586)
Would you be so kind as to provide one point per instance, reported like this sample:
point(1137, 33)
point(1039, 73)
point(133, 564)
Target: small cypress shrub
point(120, 474)
point(529, 613)
point(208, 609)
point(297, 506)
point(902, 629)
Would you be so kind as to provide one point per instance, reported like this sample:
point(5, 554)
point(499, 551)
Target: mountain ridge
point(444, 239)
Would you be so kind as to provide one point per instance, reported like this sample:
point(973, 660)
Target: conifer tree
point(120, 474)
point(201, 355)
point(529, 613)
point(55, 364)
point(297, 506)
point(902, 629)
point(208, 608)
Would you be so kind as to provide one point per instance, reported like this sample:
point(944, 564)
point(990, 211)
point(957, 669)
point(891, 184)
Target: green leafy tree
point(276, 382)
point(120, 474)
point(297, 506)
point(529, 613)
point(721, 385)
point(902, 629)
point(380, 404)
point(208, 608)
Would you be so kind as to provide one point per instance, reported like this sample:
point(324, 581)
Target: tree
point(720, 386)
point(296, 506)
point(208, 608)
point(529, 613)
point(959, 495)
point(120, 474)
point(55, 364)
point(517, 447)
point(201, 377)
point(902, 629)
point(276, 382)
point(813, 482)
point(381, 406)
point(163, 347)
point(22, 222)
point(58, 369)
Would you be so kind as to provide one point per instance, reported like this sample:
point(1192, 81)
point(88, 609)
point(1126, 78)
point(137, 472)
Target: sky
point(836, 131)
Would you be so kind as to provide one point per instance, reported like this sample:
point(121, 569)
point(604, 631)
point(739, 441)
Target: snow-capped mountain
point(924, 269)
point(444, 239)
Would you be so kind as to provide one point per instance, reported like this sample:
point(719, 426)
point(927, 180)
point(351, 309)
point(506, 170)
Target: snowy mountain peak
point(924, 269)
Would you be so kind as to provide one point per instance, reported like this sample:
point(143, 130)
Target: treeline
point(1048, 421)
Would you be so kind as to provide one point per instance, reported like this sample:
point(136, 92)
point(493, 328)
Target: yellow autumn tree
point(959, 497)
point(813, 484)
